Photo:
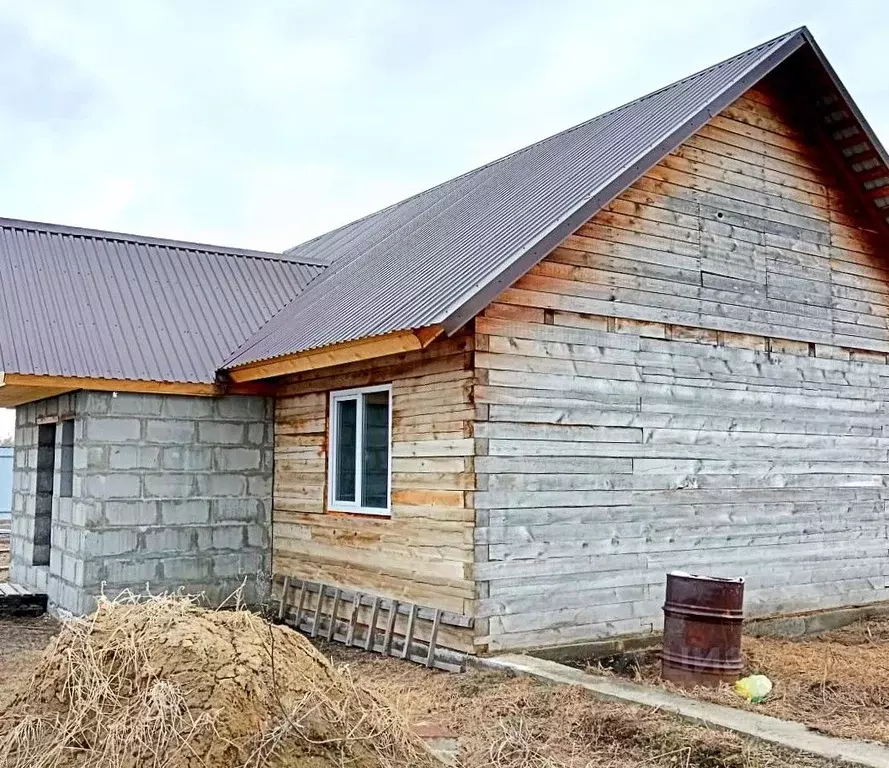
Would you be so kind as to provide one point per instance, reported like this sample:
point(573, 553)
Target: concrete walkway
point(770, 729)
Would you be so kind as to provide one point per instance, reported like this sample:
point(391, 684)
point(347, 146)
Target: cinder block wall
point(168, 491)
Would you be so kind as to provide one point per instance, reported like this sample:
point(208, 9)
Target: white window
point(359, 466)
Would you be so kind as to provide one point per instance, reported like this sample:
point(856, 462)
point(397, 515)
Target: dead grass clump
point(159, 682)
point(516, 722)
point(836, 683)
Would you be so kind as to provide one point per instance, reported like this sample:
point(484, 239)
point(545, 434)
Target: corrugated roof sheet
point(85, 303)
point(439, 257)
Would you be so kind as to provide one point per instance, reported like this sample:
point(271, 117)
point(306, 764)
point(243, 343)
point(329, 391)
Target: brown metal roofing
point(441, 256)
point(77, 302)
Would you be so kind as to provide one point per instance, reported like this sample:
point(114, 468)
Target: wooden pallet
point(369, 622)
point(16, 600)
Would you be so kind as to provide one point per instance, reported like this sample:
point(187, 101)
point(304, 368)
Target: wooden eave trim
point(110, 385)
point(338, 354)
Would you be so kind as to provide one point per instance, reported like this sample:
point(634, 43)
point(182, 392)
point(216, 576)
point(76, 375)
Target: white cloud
point(263, 124)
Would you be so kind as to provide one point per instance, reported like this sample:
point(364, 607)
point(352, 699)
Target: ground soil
point(502, 721)
point(506, 721)
point(836, 683)
point(22, 642)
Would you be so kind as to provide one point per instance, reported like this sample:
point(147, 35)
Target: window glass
point(345, 450)
point(66, 470)
point(360, 450)
point(375, 461)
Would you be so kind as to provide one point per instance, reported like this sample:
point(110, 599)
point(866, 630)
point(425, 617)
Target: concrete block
point(72, 538)
point(93, 403)
point(221, 433)
point(238, 459)
point(230, 537)
point(131, 512)
point(187, 458)
point(183, 570)
point(241, 408)
point(179, 407)
point(131, 404)
point(113, 486)
point(39, 578)
point(69, 569)
point(88, 604)
point(96, 458)
point(169, 485)
point(257, 536)
point(55, 561)
point(95, 570)
point(66, 404)
point(170, 431)
point(252, 563)
point(256, 434)
point(134, 457)
point(260, 486)
point(134, 573)
point(244, 510)
point(113, 430)
point(85, 512)
point(189, 512)
point(178, 540)
point(54, 593)
point(110, 542)
point(221, 485)
point(64, 510)
point(227, 564)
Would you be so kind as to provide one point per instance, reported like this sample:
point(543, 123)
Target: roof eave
point(337, 354)
point(18, 388)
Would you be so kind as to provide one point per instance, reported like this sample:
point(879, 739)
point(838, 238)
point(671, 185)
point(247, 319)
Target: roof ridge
point(184, 245)
point(527, 147)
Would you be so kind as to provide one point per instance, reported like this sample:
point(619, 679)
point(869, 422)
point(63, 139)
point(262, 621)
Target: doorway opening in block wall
point(46, 473)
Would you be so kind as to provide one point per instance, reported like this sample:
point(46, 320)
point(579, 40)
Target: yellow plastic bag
point(754, 688)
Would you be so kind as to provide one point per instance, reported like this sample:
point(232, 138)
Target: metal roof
point(441, 256)
point(85, 303)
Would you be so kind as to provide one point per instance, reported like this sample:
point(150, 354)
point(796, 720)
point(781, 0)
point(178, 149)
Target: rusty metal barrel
point(702, 630)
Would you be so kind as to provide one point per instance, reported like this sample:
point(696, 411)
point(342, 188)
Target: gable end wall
point(697, 380)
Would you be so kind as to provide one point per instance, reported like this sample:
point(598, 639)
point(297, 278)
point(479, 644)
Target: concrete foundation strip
point(761, 727)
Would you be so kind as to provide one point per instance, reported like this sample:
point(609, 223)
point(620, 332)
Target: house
point(655, 341)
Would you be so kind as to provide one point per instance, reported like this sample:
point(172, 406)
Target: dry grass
point(159, 682)
point(836, 683)
point(516, 722)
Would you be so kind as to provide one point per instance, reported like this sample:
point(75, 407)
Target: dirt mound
point(162, 682)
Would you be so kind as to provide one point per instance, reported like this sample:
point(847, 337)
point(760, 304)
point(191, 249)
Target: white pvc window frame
point(355, 507)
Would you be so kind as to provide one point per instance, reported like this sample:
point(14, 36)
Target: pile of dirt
point(162, 682)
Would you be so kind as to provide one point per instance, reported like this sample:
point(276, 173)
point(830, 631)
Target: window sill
point(361, 511)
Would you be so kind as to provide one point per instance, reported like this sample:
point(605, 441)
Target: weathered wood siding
point(423, 554)
point(696, 380)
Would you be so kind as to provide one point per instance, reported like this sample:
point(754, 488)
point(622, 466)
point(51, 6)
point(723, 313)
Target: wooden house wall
point(424, 553)
point(696, 380)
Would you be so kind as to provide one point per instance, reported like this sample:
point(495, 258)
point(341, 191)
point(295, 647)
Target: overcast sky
point(263, 123)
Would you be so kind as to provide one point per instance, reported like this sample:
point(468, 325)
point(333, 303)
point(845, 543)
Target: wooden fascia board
point(338, 354)
point(13, 396)
point(69, 383)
